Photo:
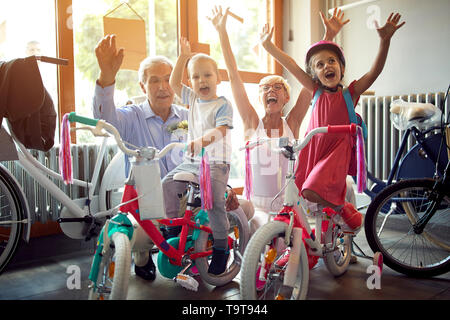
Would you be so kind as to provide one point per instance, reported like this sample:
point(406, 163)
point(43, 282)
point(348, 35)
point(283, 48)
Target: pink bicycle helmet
point(324, 45)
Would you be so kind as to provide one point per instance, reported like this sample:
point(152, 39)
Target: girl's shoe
point(351, 217)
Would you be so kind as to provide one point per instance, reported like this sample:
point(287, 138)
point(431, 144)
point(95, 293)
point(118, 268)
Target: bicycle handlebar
point(73, 117)
point(148, 152)
point(350, 129)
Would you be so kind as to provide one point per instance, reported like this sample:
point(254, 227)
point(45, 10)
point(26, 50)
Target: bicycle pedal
point(186, 281)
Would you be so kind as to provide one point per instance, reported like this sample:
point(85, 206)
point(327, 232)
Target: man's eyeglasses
point(275, 86)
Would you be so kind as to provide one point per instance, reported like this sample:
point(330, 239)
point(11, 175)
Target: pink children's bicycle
point(280, 254)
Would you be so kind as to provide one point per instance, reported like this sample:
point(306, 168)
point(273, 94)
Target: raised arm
point(248, 114)
point(334, 24)
point(385, 33)
point(332, 27)
point(109, 60)
point(287, 62)
point(176, 78)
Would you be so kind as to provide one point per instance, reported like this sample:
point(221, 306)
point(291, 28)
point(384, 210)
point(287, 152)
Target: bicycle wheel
point(114, 272)
point(424, 254)
point(270, 237)
point(11, 209)
point(338, 259)
point(239, 232)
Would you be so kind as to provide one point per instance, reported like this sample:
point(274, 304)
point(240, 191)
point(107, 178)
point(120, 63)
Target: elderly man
point(144, 124)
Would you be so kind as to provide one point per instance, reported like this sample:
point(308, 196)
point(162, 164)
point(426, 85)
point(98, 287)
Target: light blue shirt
point(140, 126)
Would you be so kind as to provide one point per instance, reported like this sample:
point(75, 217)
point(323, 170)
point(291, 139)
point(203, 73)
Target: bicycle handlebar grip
point(73, 117)
point(343, 129)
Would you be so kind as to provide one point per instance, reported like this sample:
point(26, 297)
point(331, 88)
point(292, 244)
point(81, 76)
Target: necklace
point(332, 89)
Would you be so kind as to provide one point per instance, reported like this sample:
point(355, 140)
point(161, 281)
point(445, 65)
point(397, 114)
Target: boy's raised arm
point(385, 33)
point(176, 78)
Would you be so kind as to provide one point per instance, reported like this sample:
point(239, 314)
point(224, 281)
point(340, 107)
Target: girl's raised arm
point(287, 62)
point(385, 33)
point(332, 27)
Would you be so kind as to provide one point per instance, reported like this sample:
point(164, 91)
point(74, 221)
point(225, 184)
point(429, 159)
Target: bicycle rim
point(239, 233)
point(424, 254)
point(114, 272)
point(265, 263)
point(10, 233)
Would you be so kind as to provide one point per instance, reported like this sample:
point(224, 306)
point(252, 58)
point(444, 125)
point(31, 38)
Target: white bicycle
point(79, 218)
point(280, 254)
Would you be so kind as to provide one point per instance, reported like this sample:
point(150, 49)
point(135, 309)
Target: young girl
point(324, 163)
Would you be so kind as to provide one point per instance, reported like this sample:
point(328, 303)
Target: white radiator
point(383, 138)
point(43, 206)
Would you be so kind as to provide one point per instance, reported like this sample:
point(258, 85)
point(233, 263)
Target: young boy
point(209, 119)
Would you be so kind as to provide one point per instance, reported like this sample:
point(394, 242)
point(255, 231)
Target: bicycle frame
point(423, 142)
point(295, 206)
point(40, 173)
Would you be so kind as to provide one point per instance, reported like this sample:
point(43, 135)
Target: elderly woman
point(268, 168)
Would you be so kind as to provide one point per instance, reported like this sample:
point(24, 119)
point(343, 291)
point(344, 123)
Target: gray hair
point(148, 62)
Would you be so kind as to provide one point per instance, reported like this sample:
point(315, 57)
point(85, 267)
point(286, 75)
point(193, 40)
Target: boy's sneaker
point(352, 218)
point(219, 261)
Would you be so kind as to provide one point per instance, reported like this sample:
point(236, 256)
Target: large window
point(165, 22)
point(160, 18)
point(244, 37)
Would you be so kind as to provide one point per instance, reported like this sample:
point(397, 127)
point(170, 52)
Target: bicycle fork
point(437, 195)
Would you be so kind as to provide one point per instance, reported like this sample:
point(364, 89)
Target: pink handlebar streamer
point(205, 183)
point(65, 156)
point(361, 178)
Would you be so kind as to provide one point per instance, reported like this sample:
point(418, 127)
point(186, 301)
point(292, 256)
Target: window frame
point(187, 27)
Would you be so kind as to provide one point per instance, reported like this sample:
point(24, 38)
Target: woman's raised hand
point(265, 36)
point(334, 24)
point(392, 24)
point(218, 19)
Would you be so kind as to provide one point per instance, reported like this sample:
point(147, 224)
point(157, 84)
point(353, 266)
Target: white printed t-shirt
point(205, 116)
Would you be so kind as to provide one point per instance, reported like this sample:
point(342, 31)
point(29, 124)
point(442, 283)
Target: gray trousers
point(218, 220)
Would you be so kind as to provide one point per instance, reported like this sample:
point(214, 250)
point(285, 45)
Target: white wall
point(418, 60)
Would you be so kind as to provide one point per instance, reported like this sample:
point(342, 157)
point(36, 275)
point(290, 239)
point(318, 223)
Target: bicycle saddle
point(407, 114)
point(186, 177)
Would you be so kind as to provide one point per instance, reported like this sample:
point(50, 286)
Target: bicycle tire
point(269, 233)
point(338, 260)
point(237, 219)
point(12, 208)
point(417, 255)
point(114, 287)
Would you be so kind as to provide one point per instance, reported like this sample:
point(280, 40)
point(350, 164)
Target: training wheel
point(378, 260)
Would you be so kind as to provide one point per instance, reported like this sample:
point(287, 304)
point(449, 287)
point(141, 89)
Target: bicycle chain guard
point(165, 267)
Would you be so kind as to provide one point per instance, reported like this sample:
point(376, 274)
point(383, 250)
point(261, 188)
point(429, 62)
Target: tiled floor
point(38, 272)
